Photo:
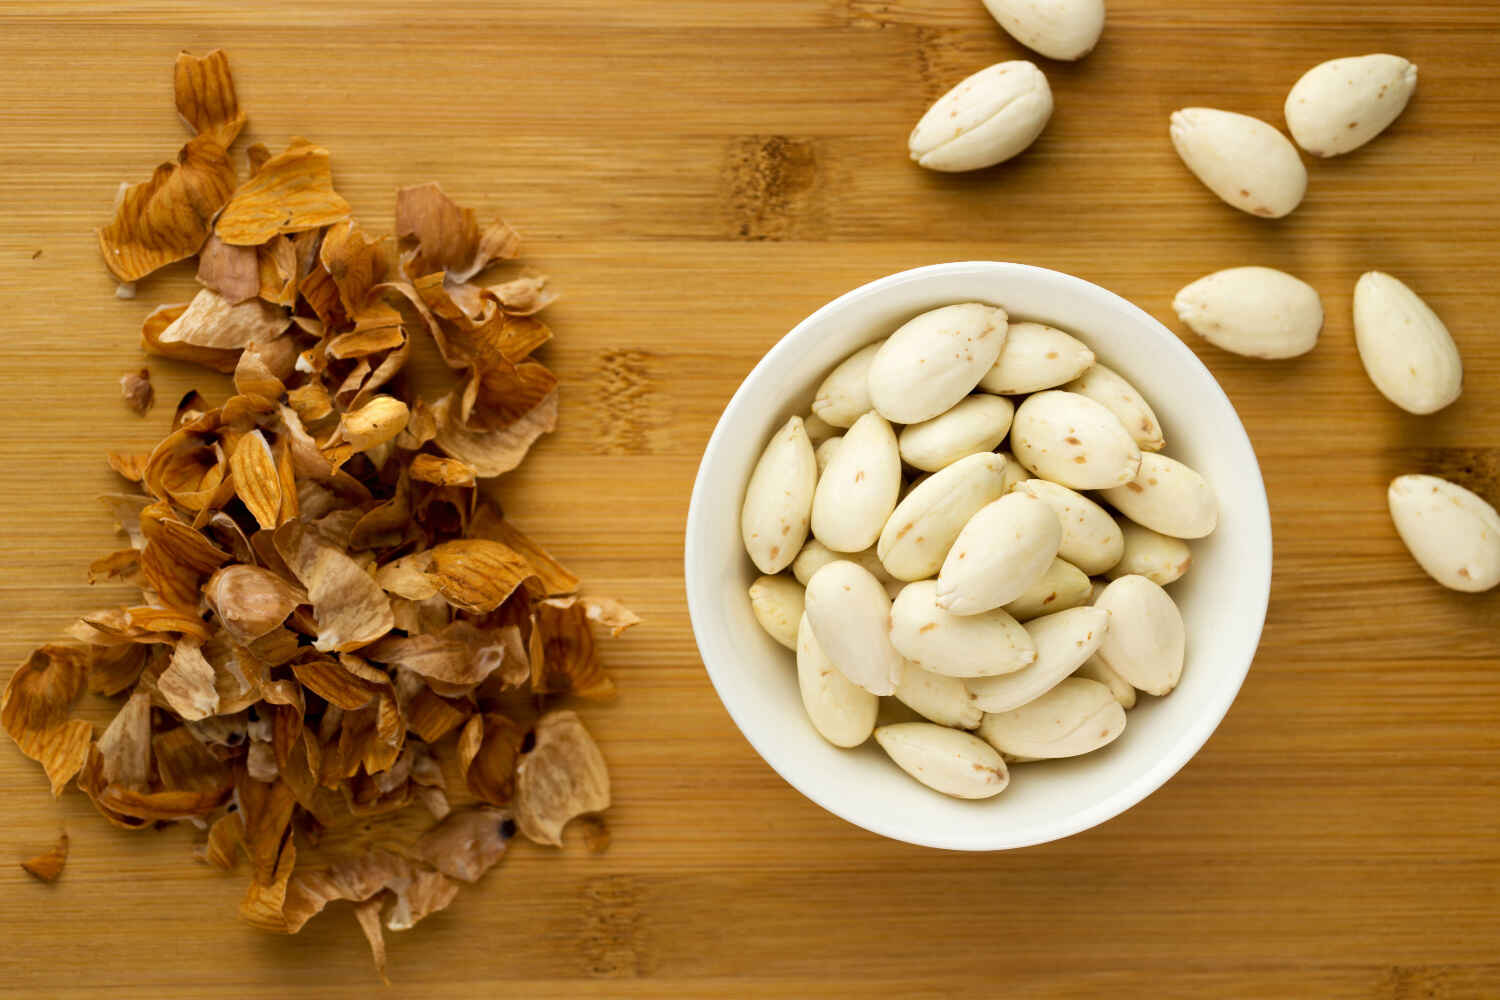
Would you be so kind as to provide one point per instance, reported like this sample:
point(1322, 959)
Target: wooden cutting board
point(697, 175)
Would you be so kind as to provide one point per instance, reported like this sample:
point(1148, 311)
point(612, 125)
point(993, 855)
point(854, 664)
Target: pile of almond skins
point(334, 623)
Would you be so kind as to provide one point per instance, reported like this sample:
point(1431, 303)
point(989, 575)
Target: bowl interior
point(1223, 597)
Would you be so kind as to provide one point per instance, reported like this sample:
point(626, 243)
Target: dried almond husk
point(35, 711)
point(350, 608)
point(136, 389)
point(225, 837)
point(477, 574)
point(291, 191)
point(48, 866)
point(212, 321)
point(130, 467)
point(448, 237)
point(256, 479)
point(460, 655)
point(490, 523)
point(205, 96)
point(491, 452)
point(166, 219)
point(488, 750)
point(187, 685)
point(563, 658)
point(125, 745)
point(561, 777)
point(157, 322)
point(468, 843)
point(232, 273)
point(251, 601)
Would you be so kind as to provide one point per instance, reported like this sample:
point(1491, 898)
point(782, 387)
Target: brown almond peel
point(166, 218)
point(477, 574)
point(48, 866)
point(205, 96)
point(36, 707)
point(324, 508)
point(232, 273)
point(290, 192)
point(561, 777)
point(257, 481)
point(447, 237)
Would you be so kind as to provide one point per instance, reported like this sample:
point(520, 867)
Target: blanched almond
point(946, 760)
point(1146, 641)
point(1109, 388)
point(820, 430)
point(986, 119)
point(1168, 497)
point(935, 360)
point(1241, 159)
point(823, 453)
point(1075, 717)
point(777, 604)
point(857, 491)
point(778, 501)
point(1058, 29)
point(1255, 311)
point(1095, 670)
point(842, 712)
point(1062, 586)
point(1342, 104)
point(975, 424)
point(1160, 558)
point(1451, 532)
point(844, 396)
point(979, 645)
point(815, 555)
point(1004, 549)
point(1091, 540)
point(1407, 351)
point(1036, 357)
point(1063, 642)
point(1073, 440)
point(924, 525)
point(850, 614)
point(938, 698)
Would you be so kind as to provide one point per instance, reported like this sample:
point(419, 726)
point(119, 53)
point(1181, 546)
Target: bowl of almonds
point(978, 556)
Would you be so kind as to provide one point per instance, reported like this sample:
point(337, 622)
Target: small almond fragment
point(135, 387)
point(48, 866)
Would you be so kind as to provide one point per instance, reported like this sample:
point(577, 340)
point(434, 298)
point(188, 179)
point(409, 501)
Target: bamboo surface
point(698, 175)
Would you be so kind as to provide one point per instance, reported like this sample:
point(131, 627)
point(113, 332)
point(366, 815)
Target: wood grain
point(698, 175)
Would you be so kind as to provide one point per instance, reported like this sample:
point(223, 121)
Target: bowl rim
point(1183, 749)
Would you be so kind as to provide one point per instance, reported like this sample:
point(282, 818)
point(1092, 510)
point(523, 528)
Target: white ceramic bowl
point(1223, 598)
